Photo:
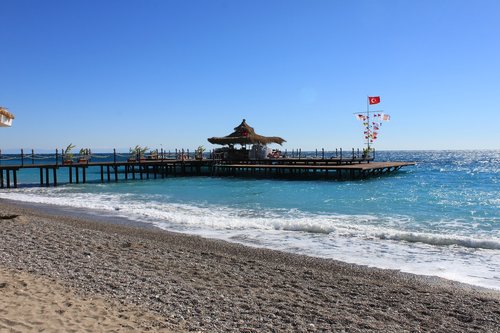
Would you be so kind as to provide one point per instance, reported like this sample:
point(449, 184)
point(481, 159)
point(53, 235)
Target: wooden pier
point(114, 171)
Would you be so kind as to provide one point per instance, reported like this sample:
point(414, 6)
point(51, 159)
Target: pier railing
point(30, 157)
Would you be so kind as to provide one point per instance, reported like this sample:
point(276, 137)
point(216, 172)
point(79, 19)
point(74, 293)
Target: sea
point(440, 217)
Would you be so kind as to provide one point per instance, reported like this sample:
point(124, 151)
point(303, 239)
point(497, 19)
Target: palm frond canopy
point(244, 134)
point(4, 112)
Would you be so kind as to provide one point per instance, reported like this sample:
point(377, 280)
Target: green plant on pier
point(138, 151)
point(68, 154)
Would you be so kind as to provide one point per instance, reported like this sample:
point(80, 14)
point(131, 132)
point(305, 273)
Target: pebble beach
point(146, 279)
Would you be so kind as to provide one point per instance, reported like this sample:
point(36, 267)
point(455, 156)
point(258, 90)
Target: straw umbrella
point(244, 134)
point(5, 117)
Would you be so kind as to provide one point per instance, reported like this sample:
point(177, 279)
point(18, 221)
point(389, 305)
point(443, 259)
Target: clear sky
point(104, 74)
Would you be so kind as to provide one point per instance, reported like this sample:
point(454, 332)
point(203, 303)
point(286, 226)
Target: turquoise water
point(440, 217)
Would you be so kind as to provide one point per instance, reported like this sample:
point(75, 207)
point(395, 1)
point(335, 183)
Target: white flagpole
point(368, 122)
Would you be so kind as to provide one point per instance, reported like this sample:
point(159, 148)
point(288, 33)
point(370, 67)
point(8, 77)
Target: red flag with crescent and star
point(374, 100)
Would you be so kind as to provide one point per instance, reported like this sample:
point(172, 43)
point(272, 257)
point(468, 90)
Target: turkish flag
point(374, 99)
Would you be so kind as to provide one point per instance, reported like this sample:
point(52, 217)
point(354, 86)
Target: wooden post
point(108, 173)
point(114, 155)
point(41, 177)
point(8, 178)
point(102, 174)
point(141, 172)
point(77, 175)
point(22, 157)
point(54, 176)
point(57, 157)
point(322, 153)
point(70, 174)
point(116, 172)
point(47, 180)
point(126, 172)
point(84, 174)
point(133, 172)
point(14, 172)
point(32, 156)
point(1, 178)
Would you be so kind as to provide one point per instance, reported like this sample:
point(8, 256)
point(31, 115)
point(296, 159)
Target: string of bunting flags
point(372, 120)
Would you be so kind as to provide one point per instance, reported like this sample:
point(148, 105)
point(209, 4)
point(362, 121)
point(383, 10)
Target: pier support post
point(8, 178)
point(77, 175)
point(102, 174)
point(1, 178)
point(108, 173)
point(47, 177)
point(70, 174)
point(116, 172)
point(84, 174)
point(14, 172)
point(54, 175)
point(41, 176)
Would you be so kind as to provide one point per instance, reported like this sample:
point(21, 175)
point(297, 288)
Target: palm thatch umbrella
point(5, 117)
point(244, 134)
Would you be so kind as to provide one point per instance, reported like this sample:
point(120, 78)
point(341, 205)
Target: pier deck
point(293, 168)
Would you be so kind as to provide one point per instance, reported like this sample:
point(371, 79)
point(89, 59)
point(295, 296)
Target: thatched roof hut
point(4, 112)
point(5, 117)
point(244, 134)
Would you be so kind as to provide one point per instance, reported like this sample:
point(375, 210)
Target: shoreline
point(195, 283)
point(104, 216)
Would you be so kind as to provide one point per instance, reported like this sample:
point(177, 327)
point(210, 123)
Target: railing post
point(352, 153)
point(1, 158)
point(300, 152)
point(114, 155)
point(57, 157)
point(316, 152)
point(162, 154)
point(340, 153)
point(22, 157)
point(32, 156)
point(323, 153)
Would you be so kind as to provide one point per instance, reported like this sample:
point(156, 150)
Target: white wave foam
point(146, 208)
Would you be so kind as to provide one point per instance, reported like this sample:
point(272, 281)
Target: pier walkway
point(115, 170)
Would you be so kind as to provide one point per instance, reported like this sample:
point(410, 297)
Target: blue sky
point(104, 74)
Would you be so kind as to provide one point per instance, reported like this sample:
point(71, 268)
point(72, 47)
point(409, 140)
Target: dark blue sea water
point(440, 217)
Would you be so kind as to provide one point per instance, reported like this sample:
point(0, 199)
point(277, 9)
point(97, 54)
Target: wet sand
point(189, 283)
